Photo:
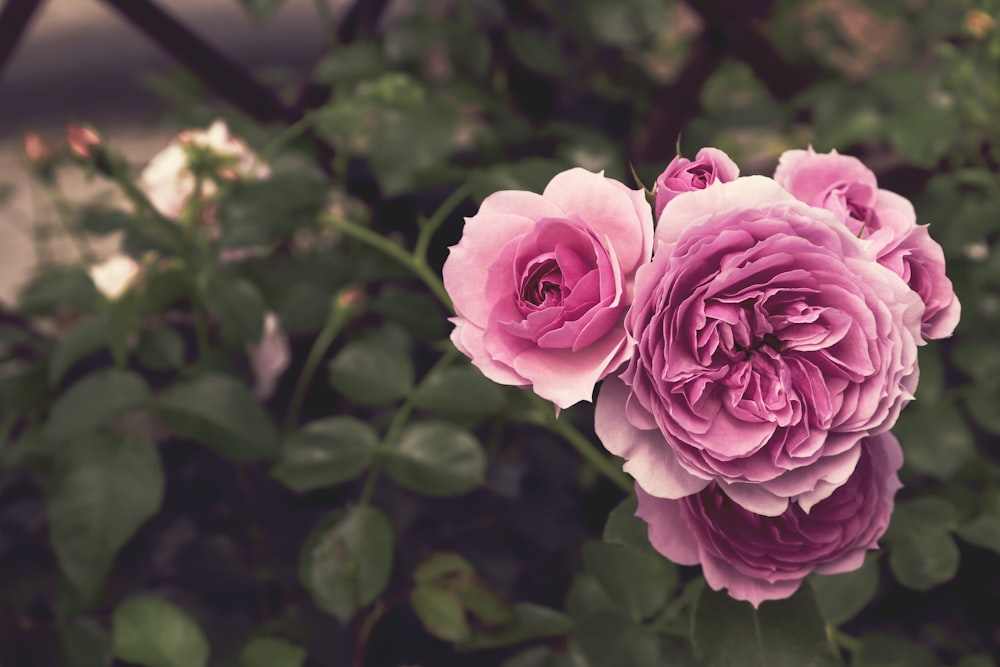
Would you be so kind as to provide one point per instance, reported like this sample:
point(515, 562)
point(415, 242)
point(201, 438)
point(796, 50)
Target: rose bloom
point(766, 558)
point(768, 346)
point(168, 180)
point(114, 276)
point(709, 166)
point(541, 283)
point(843, 185)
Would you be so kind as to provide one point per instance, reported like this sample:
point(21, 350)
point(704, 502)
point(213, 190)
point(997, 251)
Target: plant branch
point(396, 252)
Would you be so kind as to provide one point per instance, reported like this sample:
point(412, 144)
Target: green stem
point(546, 416)
point(396, 425)
point(843, 640)
point(430, 225)
point(64, 213)
point(285, 137)
point(328, 25)
point(395, 251)
point(343, 309)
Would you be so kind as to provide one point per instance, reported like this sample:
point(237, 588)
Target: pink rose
point(769, 344)
point(843, 185)
point(709, 166)
point(541, 283)
point(766, 558)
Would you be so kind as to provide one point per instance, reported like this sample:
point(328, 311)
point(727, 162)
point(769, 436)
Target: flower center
point(542, 285)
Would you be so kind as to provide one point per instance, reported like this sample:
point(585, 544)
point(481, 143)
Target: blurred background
point(82, 60)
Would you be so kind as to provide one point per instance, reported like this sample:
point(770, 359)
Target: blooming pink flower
point(769, 344)
point(709, 166)
point(541, 283)
point(766, 558)
point(843, 185)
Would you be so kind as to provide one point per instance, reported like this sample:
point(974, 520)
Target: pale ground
point(80, 60)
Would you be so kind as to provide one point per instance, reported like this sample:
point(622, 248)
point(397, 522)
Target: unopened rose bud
point(36, 151)
point(978, 23)
point(83, 140)
point(269, 358)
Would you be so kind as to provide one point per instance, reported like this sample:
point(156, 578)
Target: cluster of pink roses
point(755, 348)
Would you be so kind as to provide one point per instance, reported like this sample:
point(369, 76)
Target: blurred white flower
point(169, 181)
point(269, 358)
point(115, 275)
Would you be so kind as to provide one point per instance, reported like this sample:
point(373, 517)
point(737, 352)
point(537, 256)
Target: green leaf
point(326, 452)
point(484, 603)
point(440, 566)
point(155, 633)
point(238, 305)
point(460, 392)
point(260, 213)
point(780, 633)
point(55, 289)
point(347, 560)
point(841, 596)
point(271, 652)
point(922, 133)
point(983, 531)
point(416, 312)
point(538, 656)
point(587, 596)
point(372, 371)
point(437, 459)
point(624, 527)
point(350, 63)
point(85, 338)
point(103, 489)
point(95, 400)
point(530, 622)
point(220, 412)
point(84, 643)
point(923, 557)
point(936, 440)
point(891, 651)
point(640, 582)
point(440, 612)
point(160, 349)
point(101, 221)
point(612, 640)
point(407, 142)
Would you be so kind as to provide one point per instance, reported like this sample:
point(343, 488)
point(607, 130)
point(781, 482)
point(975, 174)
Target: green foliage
point(218, 411)
point(271, 652)
point(788, 632)
point(372, 371)
point(436, 459)
point(94, 401)
point(347, 560)
point(324, 453)
point(153, 632)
